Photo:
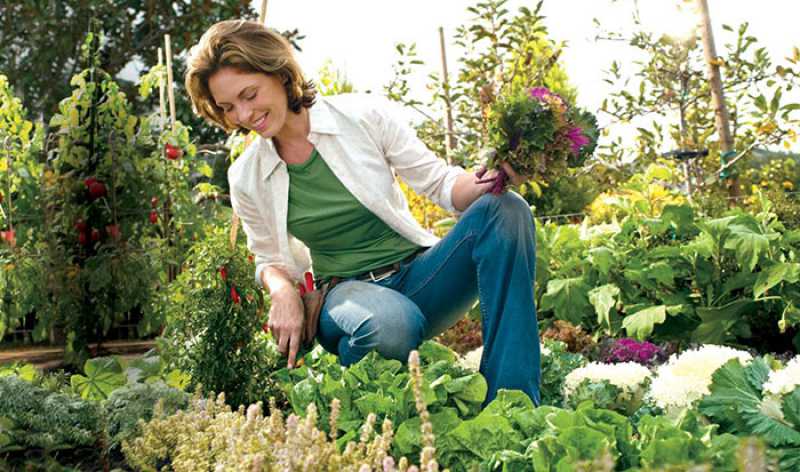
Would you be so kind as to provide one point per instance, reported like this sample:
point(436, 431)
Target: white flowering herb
point(686, 377)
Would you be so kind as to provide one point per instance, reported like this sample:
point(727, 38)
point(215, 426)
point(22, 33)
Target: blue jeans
point(489, 254)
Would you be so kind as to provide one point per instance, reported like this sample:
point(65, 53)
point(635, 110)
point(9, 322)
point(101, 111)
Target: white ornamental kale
point(783, 381)
point(686, 377)
point(628, 376)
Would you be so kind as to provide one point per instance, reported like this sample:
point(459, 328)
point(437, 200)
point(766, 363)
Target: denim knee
point(394, 335)
point(508, 209)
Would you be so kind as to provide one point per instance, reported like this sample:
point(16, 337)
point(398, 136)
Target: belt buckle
point(383, 276)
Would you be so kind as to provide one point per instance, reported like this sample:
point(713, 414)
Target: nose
point(242, 114)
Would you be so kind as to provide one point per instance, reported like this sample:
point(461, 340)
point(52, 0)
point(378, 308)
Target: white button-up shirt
point(364, 143)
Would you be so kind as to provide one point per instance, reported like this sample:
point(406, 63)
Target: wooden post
point(262, 18)
point(449, 137)
point(161, 92)
point(717, 97)
point(170, 92)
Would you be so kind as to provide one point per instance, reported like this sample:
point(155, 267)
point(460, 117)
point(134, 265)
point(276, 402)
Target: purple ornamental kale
point(630, 350)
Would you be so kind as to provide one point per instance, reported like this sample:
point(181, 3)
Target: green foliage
point(214, 316)
point(333, 81)
point(383, 387)
point(129, 405)
point(661, 270)
point(34, 418)
point(738, 403)
point(103, 376)
point(21, 285)
point(97, 204)
point(556, 364)
point(49, 35)
point(502, 50)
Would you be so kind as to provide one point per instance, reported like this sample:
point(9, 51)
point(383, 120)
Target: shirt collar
point(321, 121)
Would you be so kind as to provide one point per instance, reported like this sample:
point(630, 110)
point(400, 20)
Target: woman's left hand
point(515, 178)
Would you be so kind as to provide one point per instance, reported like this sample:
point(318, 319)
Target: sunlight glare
point(677, 19)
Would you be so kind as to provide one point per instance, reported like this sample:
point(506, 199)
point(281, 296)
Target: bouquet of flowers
point(538, 134)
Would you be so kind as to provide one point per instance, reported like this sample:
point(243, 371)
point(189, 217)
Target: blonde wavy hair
point(246, 46)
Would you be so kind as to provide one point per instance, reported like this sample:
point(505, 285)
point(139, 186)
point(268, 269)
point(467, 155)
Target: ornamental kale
point(631, 350)
point(539, 135)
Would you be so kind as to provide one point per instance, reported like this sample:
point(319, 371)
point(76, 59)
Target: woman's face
point(255, 101)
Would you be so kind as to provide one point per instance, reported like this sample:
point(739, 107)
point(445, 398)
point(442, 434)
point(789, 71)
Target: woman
point(318, 184)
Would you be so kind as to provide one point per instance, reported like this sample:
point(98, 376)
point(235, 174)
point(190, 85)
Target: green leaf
point(206, 170)
point(602, 258)
point(567, 298)
point(748, 244)
point(717, 321)
point(430, 352)
point(772, 276)
point(103, 376)
point(408, 439)
point(640, 324)
point(791, 408)
point(604, 299)
point(662, 273)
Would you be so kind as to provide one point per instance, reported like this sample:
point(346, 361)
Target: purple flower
point(577, 138)
point(540, 93)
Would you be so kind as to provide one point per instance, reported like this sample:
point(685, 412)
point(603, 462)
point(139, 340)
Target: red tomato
point(173, 152)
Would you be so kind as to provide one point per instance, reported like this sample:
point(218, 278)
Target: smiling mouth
point(260, 123)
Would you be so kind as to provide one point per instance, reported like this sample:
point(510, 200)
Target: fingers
point(282, 340)
point(294, 345)
point(516, 179)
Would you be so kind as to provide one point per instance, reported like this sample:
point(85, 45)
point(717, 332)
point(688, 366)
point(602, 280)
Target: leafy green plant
point(660, 274)
point(383, 387)
point(35, 418)
point(557, 363)
point(215, 315)
point(103, 376)
point(132, 404)
point(740, 404)
point(21, 218)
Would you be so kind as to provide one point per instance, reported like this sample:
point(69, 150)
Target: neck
point(295, 130)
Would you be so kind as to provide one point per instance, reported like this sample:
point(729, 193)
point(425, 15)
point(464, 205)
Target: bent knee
point(394, 337)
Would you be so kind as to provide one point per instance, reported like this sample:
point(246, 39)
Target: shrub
point(215, 315)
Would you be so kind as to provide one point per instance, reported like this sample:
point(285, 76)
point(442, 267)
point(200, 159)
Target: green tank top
point(344, 237)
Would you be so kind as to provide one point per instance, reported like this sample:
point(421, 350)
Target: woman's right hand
point(286, 322)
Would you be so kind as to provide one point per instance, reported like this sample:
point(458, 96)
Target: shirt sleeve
point(417, 165)
point(259, 240)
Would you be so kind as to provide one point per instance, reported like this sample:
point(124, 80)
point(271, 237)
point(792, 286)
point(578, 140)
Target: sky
point(359, 36)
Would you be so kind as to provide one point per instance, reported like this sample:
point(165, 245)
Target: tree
point(668, 98)
point(502, 52)
point(41, 44)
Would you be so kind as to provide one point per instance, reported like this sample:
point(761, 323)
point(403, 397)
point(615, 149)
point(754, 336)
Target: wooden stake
point(263, 16)
point(170, 90)
point(234, 229)
point(161, 92)
point(717, 97)
point(449, 138)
